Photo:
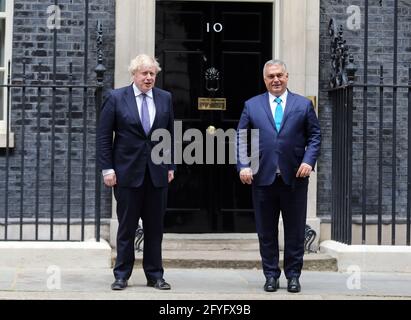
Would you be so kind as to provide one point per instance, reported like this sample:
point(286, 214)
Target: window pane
point(2, 36)
point(2, 5)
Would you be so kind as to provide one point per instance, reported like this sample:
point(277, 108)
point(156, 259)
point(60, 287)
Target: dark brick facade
point(33, 41)
point(380, 52)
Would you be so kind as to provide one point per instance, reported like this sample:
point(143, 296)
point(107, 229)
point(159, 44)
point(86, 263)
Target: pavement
point(202, 270)
point(198, 284)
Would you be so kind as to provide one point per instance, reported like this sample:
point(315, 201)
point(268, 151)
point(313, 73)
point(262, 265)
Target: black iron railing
point(370, 183)
point(51, 183)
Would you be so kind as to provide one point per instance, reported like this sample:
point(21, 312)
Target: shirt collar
point(283, 97)
point(137, 91)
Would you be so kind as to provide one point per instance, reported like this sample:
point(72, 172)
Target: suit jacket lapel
point(157, 105)
point(132, 107)
point(267, 108)
point(288, 108)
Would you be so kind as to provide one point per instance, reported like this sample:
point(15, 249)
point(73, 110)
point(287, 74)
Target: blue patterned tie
point(145, 116)
point(278, 117)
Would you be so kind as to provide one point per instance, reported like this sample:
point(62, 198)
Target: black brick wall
point(33, 42)
point(380, 51)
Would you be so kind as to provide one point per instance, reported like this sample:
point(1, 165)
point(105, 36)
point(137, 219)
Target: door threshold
point(210, 236)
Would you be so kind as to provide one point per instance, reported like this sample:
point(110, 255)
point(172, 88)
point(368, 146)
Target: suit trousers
point(292, 202)
point(148, 203)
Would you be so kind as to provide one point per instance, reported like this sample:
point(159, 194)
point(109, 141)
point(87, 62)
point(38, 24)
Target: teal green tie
point(278, 117)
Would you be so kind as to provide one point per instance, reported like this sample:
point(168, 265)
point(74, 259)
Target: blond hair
point(143, 61)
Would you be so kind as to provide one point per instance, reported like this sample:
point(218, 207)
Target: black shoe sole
point(158, 288)
point(153, 285)
point(118, 288)
point(274, 289)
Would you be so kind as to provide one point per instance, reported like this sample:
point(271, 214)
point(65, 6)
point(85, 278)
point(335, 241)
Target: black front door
point(194, 39)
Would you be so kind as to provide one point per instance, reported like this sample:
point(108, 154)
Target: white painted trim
point(368, 258)
point(135, 33)
point(8, 42)
point(276, 29)
point(65, 255)
point(261, 1)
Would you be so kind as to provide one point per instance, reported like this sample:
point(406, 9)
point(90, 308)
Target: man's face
point(275, 79)
point(145, 78)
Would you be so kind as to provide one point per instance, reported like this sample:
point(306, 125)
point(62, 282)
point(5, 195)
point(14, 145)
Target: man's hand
point(304, 170)
point(110, 180)
point(246, 176)
point(170, 176)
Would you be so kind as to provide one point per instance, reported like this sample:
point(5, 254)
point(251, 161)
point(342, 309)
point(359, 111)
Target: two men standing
point(289, 144)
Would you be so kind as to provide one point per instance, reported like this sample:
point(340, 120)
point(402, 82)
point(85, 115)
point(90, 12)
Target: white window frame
point(7, 15)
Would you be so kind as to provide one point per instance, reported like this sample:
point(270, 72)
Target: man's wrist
point(106, 172)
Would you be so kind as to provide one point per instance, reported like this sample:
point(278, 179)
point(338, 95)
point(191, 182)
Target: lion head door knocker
point(212, 77)
point(212, 85)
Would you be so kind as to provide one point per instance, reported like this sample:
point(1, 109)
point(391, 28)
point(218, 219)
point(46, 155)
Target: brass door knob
point(211, 130)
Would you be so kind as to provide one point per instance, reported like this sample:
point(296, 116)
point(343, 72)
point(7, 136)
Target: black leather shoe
point(159, 284)
point(293, 285)
point(272, 284)
point(119, 284)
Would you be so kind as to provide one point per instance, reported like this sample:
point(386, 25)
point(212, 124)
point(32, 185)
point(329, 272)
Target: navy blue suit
point(297, 141)
point(141, 190)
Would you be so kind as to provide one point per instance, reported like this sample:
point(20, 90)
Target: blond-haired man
point(140, 186)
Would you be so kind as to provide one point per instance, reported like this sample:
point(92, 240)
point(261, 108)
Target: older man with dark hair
point(289, 144)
